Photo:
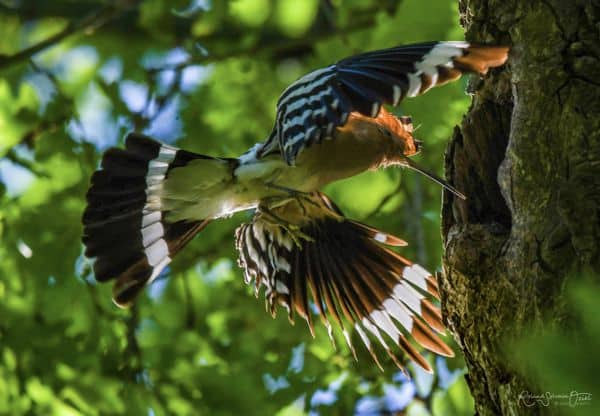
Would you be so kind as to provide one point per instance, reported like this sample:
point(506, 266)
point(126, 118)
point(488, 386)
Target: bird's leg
point(299, 196)
point(289, 191)
point(293, 230)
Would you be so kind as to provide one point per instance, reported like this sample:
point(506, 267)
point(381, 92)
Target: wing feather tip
point(430, 341)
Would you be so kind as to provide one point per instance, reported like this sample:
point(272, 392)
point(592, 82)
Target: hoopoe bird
point(147, 201)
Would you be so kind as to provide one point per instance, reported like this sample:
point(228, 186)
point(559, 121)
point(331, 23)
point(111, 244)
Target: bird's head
point(388, 141)
point(390, 136)
point(397, 132)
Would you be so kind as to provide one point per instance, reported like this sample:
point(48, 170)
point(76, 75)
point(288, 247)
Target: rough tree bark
point(528, 156)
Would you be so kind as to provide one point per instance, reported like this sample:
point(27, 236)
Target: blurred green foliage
point(562, 361)
point(205, 75)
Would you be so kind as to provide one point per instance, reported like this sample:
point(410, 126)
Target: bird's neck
point(387, 159)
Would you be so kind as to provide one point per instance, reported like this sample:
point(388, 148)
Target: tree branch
point(88, 23)
point(274, 48)
point(134, 366)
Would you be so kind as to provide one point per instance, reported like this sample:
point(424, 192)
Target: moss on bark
point(528, 156)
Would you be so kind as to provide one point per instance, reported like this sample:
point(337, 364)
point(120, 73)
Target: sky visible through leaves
point(205, 76)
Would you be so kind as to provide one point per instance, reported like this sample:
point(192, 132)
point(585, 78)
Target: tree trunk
point(528, 157)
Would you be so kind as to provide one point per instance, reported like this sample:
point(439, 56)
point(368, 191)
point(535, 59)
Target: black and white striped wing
point(311, 108)
point(345, 271)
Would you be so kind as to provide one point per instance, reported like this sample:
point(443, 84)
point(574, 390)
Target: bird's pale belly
point(315, 167)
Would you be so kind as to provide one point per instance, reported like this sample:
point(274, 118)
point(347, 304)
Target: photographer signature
point(572, 399)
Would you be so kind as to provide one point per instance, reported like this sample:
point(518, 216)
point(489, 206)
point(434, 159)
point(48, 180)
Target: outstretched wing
point(304, 251)
point(311, 108)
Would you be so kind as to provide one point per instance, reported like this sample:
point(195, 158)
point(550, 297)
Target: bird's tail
point(127, 222)
point(307, 253)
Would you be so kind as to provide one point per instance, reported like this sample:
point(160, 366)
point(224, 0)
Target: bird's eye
point(385, 132)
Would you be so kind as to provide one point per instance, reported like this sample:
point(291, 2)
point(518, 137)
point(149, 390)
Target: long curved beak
point(411, 164)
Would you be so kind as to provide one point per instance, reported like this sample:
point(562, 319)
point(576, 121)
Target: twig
point(24, 163)
point(70, 111)
point(417, 207)
point(384, 201)
point(190, 315)
point(143, 117)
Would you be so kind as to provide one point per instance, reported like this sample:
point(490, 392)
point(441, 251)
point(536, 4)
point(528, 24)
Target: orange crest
point(401, 129)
